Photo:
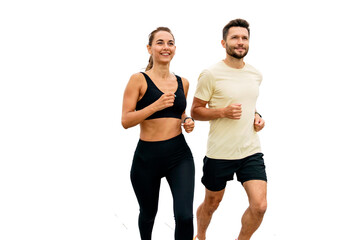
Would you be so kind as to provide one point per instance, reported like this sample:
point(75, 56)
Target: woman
point(156, 99)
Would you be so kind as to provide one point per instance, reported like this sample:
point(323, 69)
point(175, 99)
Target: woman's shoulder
point(137, 77)
point(184, 81)
point(137, 81)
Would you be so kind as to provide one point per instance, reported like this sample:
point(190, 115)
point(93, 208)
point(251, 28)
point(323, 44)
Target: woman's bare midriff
point(160, 129)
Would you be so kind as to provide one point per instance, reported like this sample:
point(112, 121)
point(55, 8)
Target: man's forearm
point(206, 114)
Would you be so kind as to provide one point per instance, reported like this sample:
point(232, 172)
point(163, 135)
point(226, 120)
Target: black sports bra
point(153, 93)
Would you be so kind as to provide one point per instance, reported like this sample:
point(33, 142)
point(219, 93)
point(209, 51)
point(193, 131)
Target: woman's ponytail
point(150, 64)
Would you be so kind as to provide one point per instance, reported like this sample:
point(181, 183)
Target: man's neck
point(234, 62)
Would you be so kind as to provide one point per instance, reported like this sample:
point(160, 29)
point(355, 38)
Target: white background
point(65, 159)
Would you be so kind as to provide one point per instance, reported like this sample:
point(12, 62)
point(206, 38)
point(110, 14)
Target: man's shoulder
point(213, 70)
point(251, 68)
point(209, 71)
point(215, 67)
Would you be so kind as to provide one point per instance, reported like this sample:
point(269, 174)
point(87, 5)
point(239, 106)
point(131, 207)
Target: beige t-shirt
point(221, 85)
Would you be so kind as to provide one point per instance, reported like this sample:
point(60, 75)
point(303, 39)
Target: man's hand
point(233, 111)
point(259, 123)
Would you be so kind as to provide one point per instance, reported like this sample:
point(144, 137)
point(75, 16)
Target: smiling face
point(162, 47)
point(237, 42)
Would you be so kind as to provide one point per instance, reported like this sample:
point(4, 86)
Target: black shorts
point(217, 172)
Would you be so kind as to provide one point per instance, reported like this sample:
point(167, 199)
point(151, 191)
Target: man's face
point(237, 42)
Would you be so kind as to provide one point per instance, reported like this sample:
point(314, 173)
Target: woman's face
point(163, 47)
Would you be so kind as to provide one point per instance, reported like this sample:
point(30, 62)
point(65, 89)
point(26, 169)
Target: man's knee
point(259, 208)
point(211, 204)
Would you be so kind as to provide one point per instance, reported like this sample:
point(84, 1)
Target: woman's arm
point(188, 123)
point(131, 117)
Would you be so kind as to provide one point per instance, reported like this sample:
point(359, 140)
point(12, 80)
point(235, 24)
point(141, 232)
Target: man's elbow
point(195, 114)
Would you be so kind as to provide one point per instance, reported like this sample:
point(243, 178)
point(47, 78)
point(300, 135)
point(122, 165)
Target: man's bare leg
point(206, 210)
point(253, 216)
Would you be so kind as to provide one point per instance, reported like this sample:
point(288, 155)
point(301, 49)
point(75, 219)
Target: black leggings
point(171, 159)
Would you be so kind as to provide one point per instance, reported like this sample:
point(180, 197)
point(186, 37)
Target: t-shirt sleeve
point(260, 78)
point(205, 86)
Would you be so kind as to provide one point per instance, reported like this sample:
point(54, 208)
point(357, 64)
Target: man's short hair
point(235, 23)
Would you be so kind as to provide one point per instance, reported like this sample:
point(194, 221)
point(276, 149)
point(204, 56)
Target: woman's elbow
point(125, 124)
point(128, 124)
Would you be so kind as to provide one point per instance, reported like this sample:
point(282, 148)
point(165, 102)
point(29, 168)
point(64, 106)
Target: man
point(230, 89)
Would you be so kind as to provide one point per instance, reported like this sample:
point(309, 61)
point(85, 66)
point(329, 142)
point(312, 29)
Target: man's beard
point(231, 52)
